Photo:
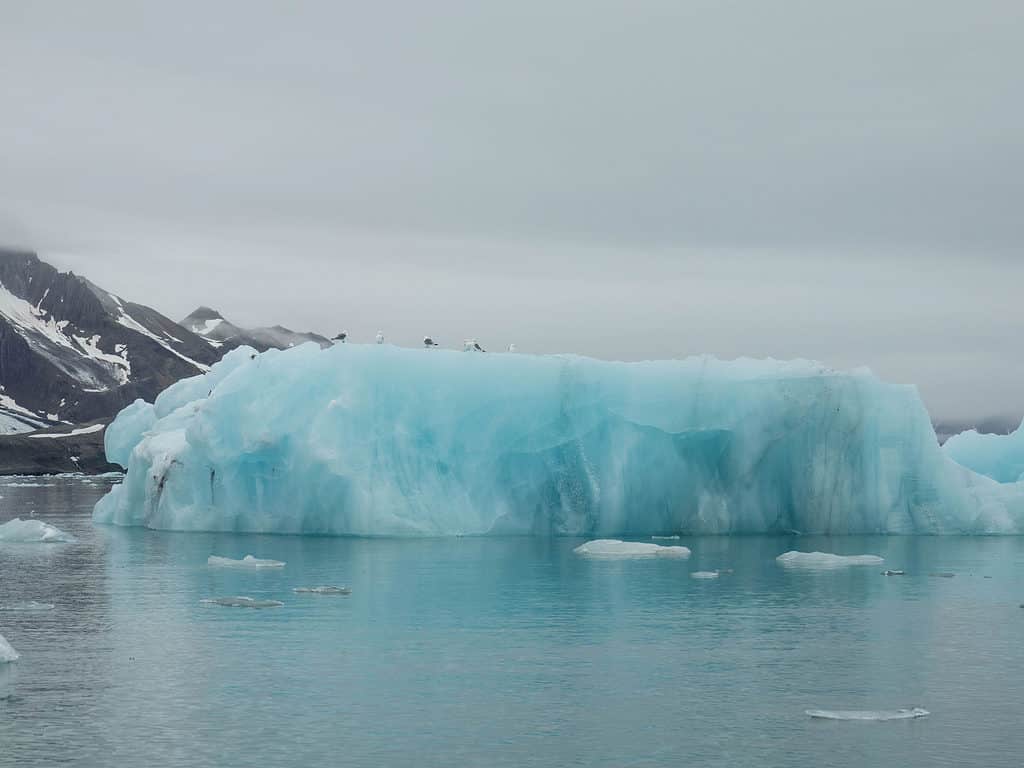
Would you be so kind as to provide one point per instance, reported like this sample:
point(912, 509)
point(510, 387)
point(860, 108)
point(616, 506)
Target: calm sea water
point(501, 652)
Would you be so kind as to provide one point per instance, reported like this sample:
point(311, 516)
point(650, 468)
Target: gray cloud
point(621, 179)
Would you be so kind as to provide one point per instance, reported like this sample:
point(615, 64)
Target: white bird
point(380, 337)
point(511, 347)
point(471, 345)
point(429, 342)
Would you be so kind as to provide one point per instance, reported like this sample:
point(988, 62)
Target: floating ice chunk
point(868, 714)
point(7, 653)
point(241, 602)
point(246, 562)
point(894, 573)
point(615, 548)
point(825, 560)
point(32, 532)
point(665, 538)
point(704, 575)
point(323, 590)
point(30, 605)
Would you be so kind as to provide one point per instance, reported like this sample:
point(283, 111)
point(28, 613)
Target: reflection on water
point(501, 652)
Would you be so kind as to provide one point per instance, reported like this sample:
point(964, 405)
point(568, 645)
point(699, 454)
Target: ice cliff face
point(377, 440)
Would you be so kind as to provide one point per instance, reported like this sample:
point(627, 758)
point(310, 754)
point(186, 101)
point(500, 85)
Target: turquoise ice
point(379, 440)
point(1000, 457)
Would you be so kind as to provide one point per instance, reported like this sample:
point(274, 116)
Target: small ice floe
point(868, 714)
point(241, 602)
point(246, 562)
point(7, 653)
point(704, 575)
point(894, 573)
point(942, 575)
point(32, 532)
point(825, 560)
point(614, 548)
point(664, 538)
point(322, 590)
point(30, 605)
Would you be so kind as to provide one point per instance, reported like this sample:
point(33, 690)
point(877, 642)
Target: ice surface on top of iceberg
point(32, 532)
point(1000, 457)
point(246, 562)
point(616, 548)
point(379, 440)
point(868, 714)
point(7, 653)
point(826, 560)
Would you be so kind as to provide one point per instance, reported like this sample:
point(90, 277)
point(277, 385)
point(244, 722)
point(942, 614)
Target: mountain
point(221, 334)
point(72, 352)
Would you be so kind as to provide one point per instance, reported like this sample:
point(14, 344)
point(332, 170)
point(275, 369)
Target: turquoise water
point(501, 651)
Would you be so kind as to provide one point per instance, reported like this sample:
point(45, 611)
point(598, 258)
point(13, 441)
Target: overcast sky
point(834, 180)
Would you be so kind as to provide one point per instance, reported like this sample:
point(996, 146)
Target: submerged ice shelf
point(378, 440)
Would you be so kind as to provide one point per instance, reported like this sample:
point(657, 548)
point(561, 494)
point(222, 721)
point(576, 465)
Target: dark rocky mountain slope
point(222, 334)
point(72, 352)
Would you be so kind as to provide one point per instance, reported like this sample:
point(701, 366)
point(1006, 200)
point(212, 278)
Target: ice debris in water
point(665, 538)
point(32, 532)
point(30, 605)
point(892, 572)
point(868, 714)
point(614, 548)
point(7, 653)
point(323, 590)
point(704, 575)
point(241, 602)
point(377, 440)
point(826, 560)
point(246, 562)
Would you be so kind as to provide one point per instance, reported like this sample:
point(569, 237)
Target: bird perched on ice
point(511, 347)
point(380, 337)
point(429, 342)
point(470, 345)
point(340, 338)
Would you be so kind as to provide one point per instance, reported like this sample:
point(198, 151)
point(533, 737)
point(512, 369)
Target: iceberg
point(613, 548)
point(1000, 457)
point(825, 560)
point(322, 591)
point(7, 653)
point(870, 714)
point(241, 602)
point(126, 431)
point(376, 440)
point(32, 531)
point(246, 562)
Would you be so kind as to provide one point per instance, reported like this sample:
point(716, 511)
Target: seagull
point(470, 345)
point(340, 338)
point(511, 347)
point(380, 337)
point(429, 342)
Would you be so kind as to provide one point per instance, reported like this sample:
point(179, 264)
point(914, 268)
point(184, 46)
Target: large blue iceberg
point(379, 440)
point(1000, 457)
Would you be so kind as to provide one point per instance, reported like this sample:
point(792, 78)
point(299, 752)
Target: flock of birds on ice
point(469, 345)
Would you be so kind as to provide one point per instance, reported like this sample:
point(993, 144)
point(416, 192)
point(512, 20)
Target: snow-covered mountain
point(72, 352)
point(224, 335)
